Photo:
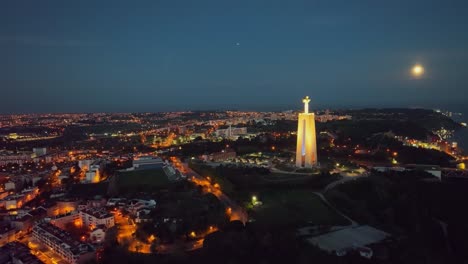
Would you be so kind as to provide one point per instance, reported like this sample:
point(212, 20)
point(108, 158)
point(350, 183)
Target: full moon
point(418, 70)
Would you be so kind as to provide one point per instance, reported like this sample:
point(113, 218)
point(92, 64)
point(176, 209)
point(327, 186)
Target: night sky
point(129, 56)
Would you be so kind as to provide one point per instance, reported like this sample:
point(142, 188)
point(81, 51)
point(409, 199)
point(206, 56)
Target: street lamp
point(254, 200)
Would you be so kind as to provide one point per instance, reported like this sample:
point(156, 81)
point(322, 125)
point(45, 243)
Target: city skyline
point(169, 56)
point(247, 131)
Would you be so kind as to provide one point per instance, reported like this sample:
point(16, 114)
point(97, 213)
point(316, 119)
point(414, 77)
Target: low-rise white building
point(62, 243)
point(137, 205)
point(94, 170)
point(61, 221)
point(97, 235)
point(97, 216)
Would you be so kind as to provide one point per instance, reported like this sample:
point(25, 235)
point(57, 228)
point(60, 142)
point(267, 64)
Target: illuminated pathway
point(234, 211)
point(126, 231)
point(127, 228)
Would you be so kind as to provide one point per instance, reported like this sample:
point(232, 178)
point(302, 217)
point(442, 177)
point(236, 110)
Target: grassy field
point(89, 190)
point(144, 179)
point(292, 208)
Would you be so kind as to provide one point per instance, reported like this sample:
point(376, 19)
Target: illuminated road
point(42, 252)
point(127, 228)
point(234, 211)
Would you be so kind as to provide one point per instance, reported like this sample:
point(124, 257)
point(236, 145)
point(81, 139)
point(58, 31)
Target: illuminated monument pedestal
point(306, 151)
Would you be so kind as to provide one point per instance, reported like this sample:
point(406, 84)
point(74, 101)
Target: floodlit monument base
point(306, 151)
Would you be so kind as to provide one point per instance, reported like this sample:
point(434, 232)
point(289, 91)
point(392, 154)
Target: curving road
point(234, 211)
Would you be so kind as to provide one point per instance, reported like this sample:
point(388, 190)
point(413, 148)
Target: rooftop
point(64, 215)
point(63, 238)
point(359, 236)
point(99, 213)
point(23, 219)
point(38, 212)
point(48, 204)
point(20, 252)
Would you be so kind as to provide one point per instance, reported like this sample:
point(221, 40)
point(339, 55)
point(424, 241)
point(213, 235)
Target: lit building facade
point(61, 221)
point(226, 154)
point(97, 216)
point(62, 243)
point(306, 150)
point(16, 201)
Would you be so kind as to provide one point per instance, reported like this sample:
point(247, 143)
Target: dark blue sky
point(82, 56)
